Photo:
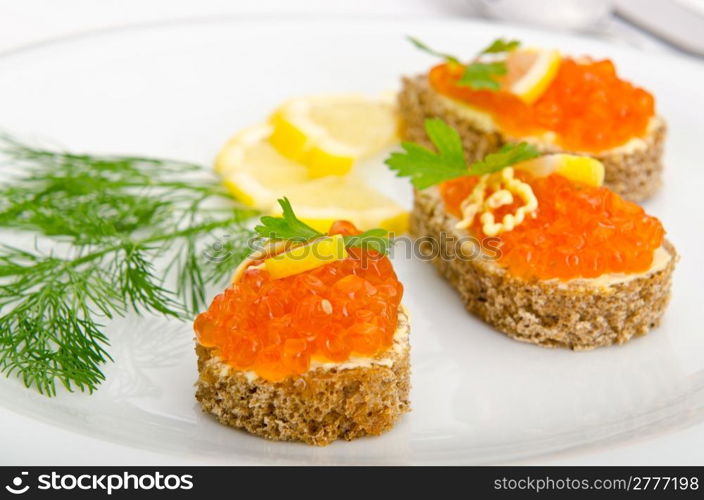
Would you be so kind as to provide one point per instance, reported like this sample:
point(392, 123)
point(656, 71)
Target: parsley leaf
point(426, 168)
point(501, 45)
point(422, 46)
point(373, 239)
point(478, 74)
point(289, 227)
point(482, 75)
point(509, 154)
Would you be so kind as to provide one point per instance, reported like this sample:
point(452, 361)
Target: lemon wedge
point(306, 257)
point(530, 72)
point(328, 134)
point(574, 167)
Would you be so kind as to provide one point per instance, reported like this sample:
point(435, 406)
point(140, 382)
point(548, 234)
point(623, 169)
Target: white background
point(35, 21)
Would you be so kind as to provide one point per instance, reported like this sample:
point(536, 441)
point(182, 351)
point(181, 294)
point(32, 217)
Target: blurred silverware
point(565, 14)
point(677, 24)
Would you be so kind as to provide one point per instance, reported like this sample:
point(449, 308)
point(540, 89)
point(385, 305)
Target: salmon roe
point(587, 105)
point(276, 327)
point(579, 231)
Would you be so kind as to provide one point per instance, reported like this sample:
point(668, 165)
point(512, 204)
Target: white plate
point(180, 90)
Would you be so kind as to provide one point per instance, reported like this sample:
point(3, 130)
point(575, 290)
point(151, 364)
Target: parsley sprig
point(478, 74)
point(427, 168)
point(289, 227)
point(425, 48)
point(501, 45)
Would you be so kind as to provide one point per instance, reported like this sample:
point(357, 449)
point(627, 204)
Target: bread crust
point(575, 315)
point(635, 175)
point(317, 407)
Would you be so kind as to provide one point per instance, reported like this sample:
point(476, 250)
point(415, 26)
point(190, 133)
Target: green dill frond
point(118, 218)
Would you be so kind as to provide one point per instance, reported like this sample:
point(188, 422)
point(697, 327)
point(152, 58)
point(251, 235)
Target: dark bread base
point(549, 313)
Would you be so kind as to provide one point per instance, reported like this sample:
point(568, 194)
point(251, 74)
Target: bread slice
point(359, 397)
point(634, 172)
point(578, 314)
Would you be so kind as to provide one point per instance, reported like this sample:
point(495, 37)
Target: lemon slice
point(254, 171)
point(576, 168)
point(257, 174)
point(306, 257)
point(530, 72)
point(321, 202)
point(329, 134)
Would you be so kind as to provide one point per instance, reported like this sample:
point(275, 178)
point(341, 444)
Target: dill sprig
point(114, 218)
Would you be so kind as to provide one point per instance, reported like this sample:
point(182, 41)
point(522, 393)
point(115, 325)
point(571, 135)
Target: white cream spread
point(547, 141)
point(661, 258)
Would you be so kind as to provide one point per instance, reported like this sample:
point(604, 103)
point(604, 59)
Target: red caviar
point(276, 327)
point(578, 231)
point(587, 105)
point(455, 191)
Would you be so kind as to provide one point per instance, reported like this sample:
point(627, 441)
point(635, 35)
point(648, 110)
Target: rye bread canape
point(310, 342)
point(535, 246)
point(557, 103)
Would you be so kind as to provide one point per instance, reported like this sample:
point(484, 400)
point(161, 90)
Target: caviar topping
point(587, 106)
point(577, 231)
point(276, 327)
